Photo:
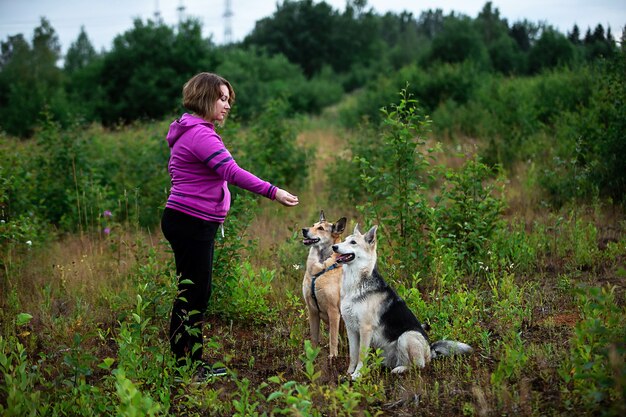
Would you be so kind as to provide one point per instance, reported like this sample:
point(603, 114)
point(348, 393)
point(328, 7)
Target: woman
point(200, 168)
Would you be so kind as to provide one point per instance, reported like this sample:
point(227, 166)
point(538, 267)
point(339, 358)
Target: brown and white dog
point(321, 286)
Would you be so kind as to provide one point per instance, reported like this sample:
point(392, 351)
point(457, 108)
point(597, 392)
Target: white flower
point(296, 266)
point(29, 243)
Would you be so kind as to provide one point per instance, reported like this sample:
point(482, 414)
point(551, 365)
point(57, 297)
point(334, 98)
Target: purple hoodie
point(200, 167)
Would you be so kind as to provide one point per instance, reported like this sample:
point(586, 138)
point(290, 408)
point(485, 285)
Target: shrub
point(395, 180)
point(243, 296)
point(594, 373)
point(271, 151)
point(602, 126)
point(439, 83)
point(18, 379)
point(468, 213)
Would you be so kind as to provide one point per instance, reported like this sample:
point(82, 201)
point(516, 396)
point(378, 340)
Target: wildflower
point(29, 242)
point(296, 266)
point(107, 213)
point(107, 230)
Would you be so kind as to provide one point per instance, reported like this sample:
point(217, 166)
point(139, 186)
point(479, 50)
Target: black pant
point(192, 241)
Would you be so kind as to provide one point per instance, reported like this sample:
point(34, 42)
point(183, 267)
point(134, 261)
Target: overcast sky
point(104, 19)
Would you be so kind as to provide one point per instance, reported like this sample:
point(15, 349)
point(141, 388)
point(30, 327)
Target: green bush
point(516, 116)
point(395, 178)
point(602, 126)
point(514, 248)
point(396, 183)
point(432, 86)
point(18, 380)
point(594, 373)
point(243, 296)
point(468, 213)
point(71, 177)
point(270, 150)
point(585, 161)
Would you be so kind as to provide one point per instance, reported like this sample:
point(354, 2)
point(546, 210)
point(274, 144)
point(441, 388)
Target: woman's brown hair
point(202, 91)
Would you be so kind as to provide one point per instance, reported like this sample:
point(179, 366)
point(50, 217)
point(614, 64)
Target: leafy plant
point(468, 213)
point(594, 372)
point(271, 150)
point(132, 401)
point(395, 180)
point(19, 399)
point(244, 295)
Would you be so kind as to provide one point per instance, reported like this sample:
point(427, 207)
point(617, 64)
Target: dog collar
point(330, 268)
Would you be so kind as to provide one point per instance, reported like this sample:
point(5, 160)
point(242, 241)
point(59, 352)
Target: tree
point(142, 76)
point(598, 45)
point(15, 64)
point(357, 36)
point(459, 41)
point(504, 53)
point(430, 23)
point(506, 56)
point(12, 48)
point(46, 49)
point(403, 37)
point(83, 67)
point(300, 30)
point(551, 50)
point(574, 35)
point(490, 25)
point(80, 53)
point(315, 36)
point(258, 78)
point(524, 33)
point(602, 128)
point(30, 80)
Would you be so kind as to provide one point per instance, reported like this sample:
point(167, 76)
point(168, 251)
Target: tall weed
point(468, 213)
point(594, 374)
point(18, 380)
point(395, 180)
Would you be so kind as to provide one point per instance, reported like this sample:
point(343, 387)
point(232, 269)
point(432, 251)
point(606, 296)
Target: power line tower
point(228, 24)
point(181, 11)
point(157, 12)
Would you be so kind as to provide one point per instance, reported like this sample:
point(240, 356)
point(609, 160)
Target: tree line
point(306, 53)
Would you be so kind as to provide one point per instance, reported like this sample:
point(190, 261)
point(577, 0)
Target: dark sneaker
point(207, 373)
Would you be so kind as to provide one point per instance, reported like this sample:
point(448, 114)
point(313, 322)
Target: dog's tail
point(449, 348)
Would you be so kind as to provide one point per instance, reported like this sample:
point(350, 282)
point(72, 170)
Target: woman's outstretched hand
point(285, 198)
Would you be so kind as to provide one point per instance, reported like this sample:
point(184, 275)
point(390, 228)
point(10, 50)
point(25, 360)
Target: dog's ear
point(322, 217)
point(356, 230)
point(370, 236)
point(340, 226)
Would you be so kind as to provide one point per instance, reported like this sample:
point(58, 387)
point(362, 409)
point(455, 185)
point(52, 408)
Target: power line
point(228, 24)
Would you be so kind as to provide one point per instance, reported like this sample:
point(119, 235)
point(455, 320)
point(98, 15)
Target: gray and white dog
point(375, 316)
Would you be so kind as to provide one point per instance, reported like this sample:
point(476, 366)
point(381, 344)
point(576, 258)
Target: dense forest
point(489, 152)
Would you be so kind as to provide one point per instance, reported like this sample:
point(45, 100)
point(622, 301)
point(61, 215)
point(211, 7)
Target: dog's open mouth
point(308, 241)
point(345, 258)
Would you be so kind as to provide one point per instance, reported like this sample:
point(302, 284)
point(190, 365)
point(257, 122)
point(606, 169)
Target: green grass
point(84, 324)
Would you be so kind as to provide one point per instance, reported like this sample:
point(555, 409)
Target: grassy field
point(85, 320)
